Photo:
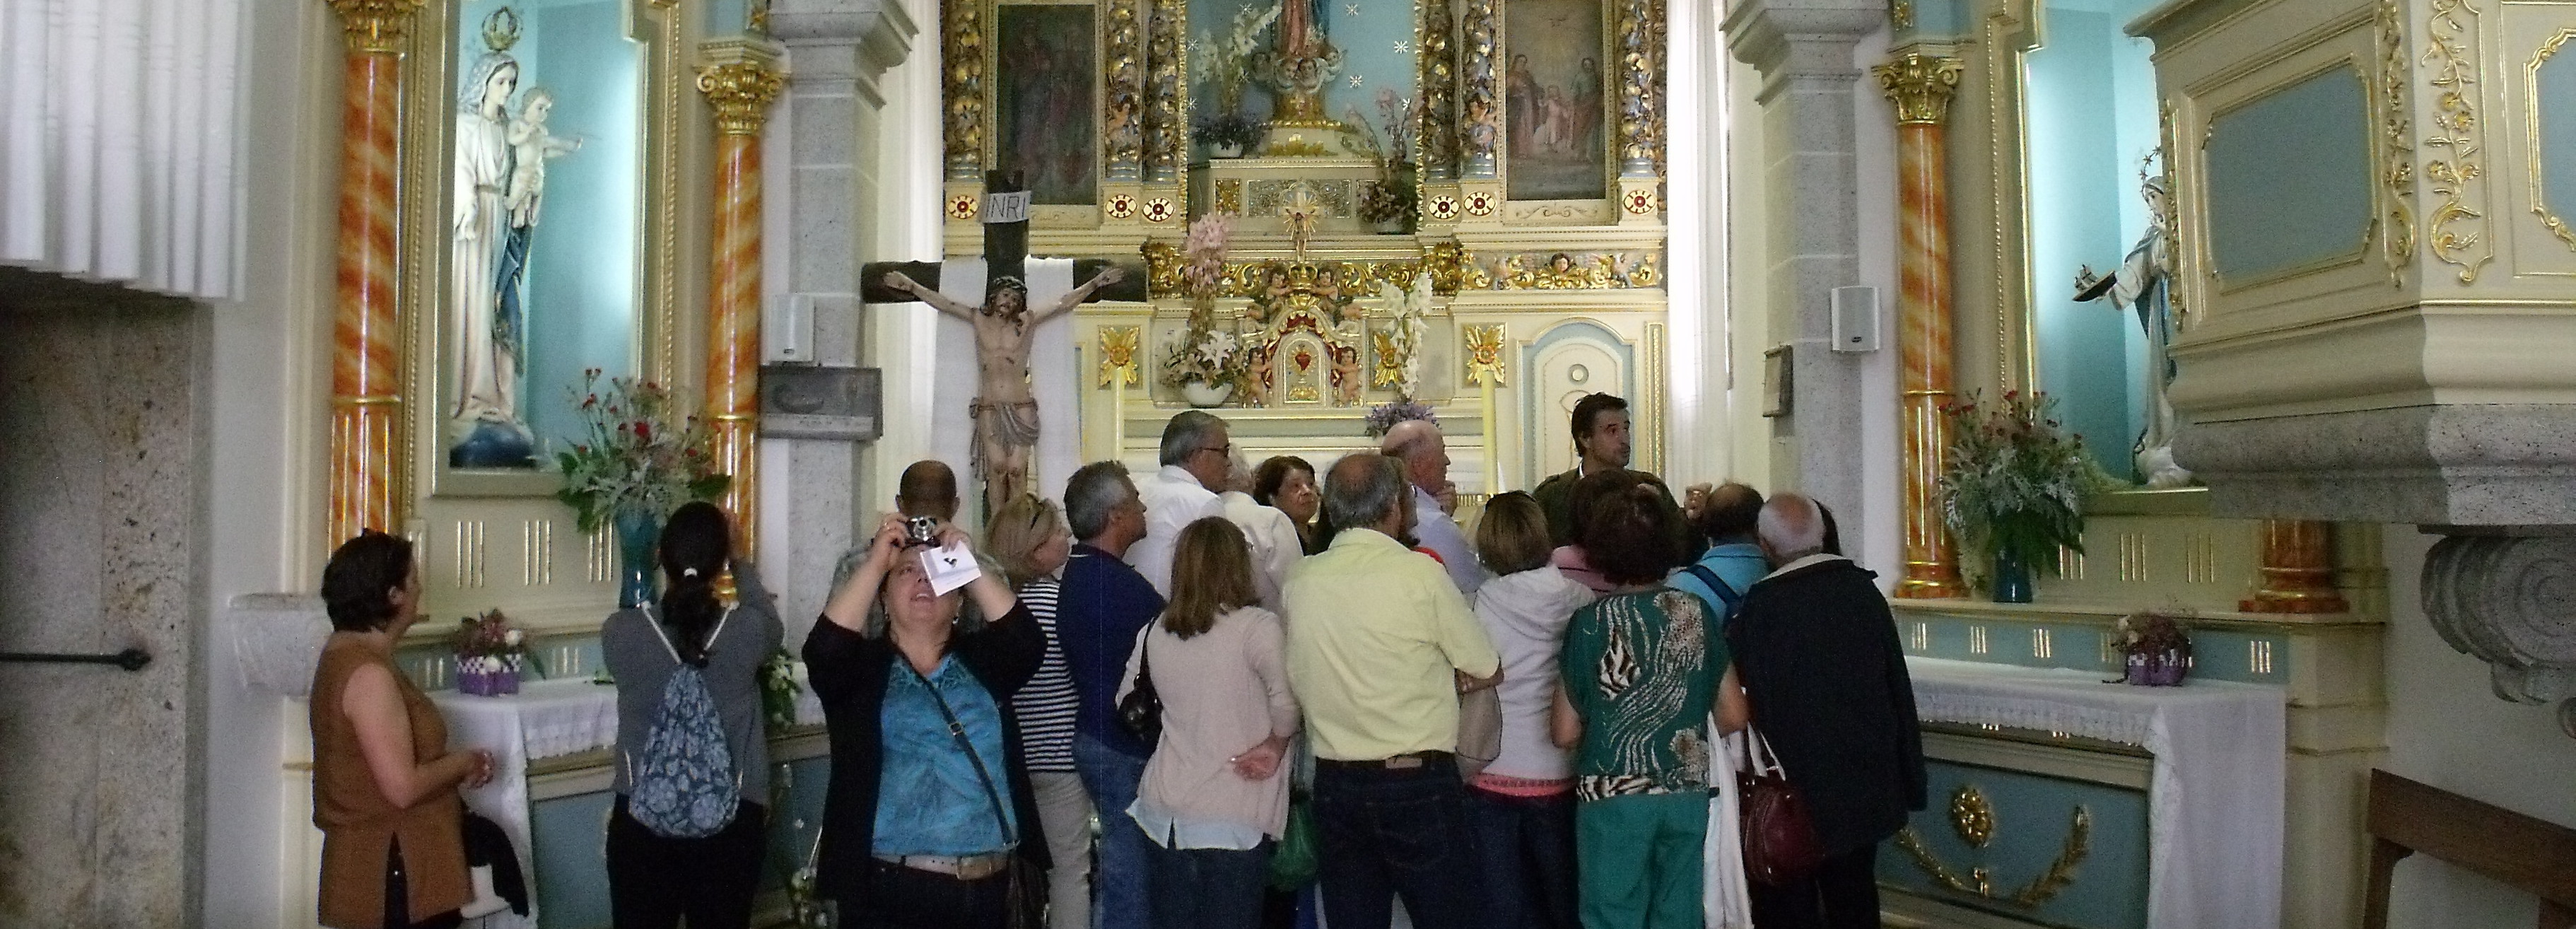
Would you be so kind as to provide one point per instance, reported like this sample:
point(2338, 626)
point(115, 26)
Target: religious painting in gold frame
point(1560, 122)
point(1046, 107)
point(539, 202)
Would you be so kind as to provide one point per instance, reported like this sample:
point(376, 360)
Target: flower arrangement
point(778, 690)
point(1392, 198)
point(1229, 61)
point(2015, 486)
point(1204, 354)
point(1227, 131)
point(1384, 416)
point(489, 654)
point(1403, 336)
point(2155, 648)
point(643, 453)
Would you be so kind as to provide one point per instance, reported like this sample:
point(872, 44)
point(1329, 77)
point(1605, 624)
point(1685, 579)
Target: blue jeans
point(1396, 832)
point(1121, 881)
point(1526, 848)
point(1209, 888)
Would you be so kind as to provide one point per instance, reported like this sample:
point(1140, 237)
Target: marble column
point(1920, 86)
point(2298, 569)
point(1804, 50)
point(740, 92)
point(366, 332)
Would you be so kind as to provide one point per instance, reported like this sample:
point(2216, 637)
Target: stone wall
point(99, 551)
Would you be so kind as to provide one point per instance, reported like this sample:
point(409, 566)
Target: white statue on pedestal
point(2140, 285)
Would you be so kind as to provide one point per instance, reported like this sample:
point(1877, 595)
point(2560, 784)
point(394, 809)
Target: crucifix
point(1302, 211)
point(1005, 409)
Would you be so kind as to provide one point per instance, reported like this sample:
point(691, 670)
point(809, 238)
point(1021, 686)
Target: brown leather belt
point(964, 868)
point(1403, 762)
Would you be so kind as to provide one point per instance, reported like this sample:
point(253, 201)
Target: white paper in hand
point(949, 568)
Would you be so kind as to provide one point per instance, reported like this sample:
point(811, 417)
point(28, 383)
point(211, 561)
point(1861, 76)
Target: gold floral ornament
point(1971, 816)
point(740, 92)
point(1979, 881)
point(1118, 355)
point(1920, 86)
point(1485, 354)
point(376, 27)
point(963, 207)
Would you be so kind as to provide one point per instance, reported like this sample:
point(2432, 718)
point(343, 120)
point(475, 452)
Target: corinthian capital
point(374, 27)
point(741, 92)
point(1920, 86)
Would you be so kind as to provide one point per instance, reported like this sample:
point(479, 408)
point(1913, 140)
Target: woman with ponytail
point(658, 870)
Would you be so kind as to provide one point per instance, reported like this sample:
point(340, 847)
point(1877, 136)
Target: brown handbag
point(1780, 846)
point(1480, 730)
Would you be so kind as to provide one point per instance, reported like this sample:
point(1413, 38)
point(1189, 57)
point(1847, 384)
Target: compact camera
point(921, 530)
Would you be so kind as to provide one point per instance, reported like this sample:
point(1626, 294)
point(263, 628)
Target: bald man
point(1816, 649)
point(927, 488)
point(1418, 443)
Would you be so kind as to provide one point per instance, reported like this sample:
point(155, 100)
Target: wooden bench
point(2531, 854)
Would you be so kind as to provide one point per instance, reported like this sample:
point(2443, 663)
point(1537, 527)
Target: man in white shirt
point(1196, 455)
point(1426, 467)
point(1273, 537)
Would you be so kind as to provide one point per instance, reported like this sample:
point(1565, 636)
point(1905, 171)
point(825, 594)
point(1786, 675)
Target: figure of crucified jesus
point(1006, 413)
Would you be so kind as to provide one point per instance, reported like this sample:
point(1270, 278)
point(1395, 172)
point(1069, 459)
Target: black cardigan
point(849, 673)
point(1817, 652)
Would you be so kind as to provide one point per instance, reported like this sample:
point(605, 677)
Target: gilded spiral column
point(1167, 140)
point(740, 92)
point(366, 329)
point(1122, 139)
point(1439, 132)
point(1920, 86)
point(2298, 569)
point(1480, 91)
point(961, 65)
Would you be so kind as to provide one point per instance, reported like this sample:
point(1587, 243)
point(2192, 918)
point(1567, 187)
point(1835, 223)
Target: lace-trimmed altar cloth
point(2215, 803)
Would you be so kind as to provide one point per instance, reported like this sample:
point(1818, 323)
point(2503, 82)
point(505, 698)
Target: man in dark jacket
point(1816, 649)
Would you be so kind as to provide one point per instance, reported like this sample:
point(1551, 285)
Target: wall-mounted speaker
point(1855, 319)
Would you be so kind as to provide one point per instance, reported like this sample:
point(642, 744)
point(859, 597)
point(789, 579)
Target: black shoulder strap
point(1732, 600)
point(958, 730)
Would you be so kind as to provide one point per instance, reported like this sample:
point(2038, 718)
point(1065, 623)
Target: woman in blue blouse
point(917, 832)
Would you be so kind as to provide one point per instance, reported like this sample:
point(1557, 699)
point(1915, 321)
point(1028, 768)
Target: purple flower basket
point(2159, 669)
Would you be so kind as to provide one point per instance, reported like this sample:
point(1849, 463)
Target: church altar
point(2214, 810)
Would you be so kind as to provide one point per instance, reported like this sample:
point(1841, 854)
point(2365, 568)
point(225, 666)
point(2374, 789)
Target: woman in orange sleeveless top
point(384, 783)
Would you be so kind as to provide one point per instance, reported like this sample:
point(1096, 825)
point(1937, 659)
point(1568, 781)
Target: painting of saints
point(1553, 101)
point(1045, 101)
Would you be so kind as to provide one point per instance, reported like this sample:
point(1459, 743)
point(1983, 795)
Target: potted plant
point(489, 655)
point(1227, 132)
point(2014, 489)
point(1384, 416)
point(643, 458)
point(2155, 649)
point(1207, 363)
point(1389, 203)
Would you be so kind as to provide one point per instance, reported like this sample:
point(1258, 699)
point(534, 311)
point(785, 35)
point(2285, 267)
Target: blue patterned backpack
point(684, 783)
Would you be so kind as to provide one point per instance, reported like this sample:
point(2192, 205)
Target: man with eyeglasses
point(1196, 455)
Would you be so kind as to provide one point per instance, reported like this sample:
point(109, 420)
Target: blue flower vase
point(2012, 578)
point(637, 532)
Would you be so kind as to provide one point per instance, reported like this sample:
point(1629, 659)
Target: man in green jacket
point(1601, 443)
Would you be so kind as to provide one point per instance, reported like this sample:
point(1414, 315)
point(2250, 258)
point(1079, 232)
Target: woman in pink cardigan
point(1214, 797)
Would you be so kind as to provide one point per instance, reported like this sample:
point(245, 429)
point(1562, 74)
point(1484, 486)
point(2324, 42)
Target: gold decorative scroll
point(374, 27)
point(1566, 271)
point(1484, 353)
point(2531, 129)
point(740, 92)
point(1167, 139)
point(1436, 51)
point(1122, 142)
point(961, 52)
point(1482, 123)
point(1118, 355)
point(1980, 881)
point(2396, 108)
point(1450, 267)
point(2459, 175)
point(2177, 237)
point(1920, 86)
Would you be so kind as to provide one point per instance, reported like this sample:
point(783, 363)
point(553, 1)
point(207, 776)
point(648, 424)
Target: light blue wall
point(1367, 41)
point(2290, 177)
point(2091, 108)
point(2557, 91)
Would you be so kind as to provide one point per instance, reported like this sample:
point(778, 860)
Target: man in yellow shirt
point(1379, 644)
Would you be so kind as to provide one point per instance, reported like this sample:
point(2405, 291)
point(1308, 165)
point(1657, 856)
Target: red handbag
point(1780, 845)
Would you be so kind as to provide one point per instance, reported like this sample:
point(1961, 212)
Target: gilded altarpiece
point(1362, 151)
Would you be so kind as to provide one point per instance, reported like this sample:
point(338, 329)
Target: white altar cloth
point(545, 719)
point(2215, 802)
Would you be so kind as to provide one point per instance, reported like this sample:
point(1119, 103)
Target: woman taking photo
point(1288, 483)
point(1214, 797)
point(930, 802)
point(1029, 537)
point(658, 868)
point(1643, 671)
point(384, 783)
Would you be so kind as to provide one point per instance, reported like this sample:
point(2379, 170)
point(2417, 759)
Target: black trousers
point(905, 898)
point(398, 897)
point(1843, 894)
point(655, 880)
